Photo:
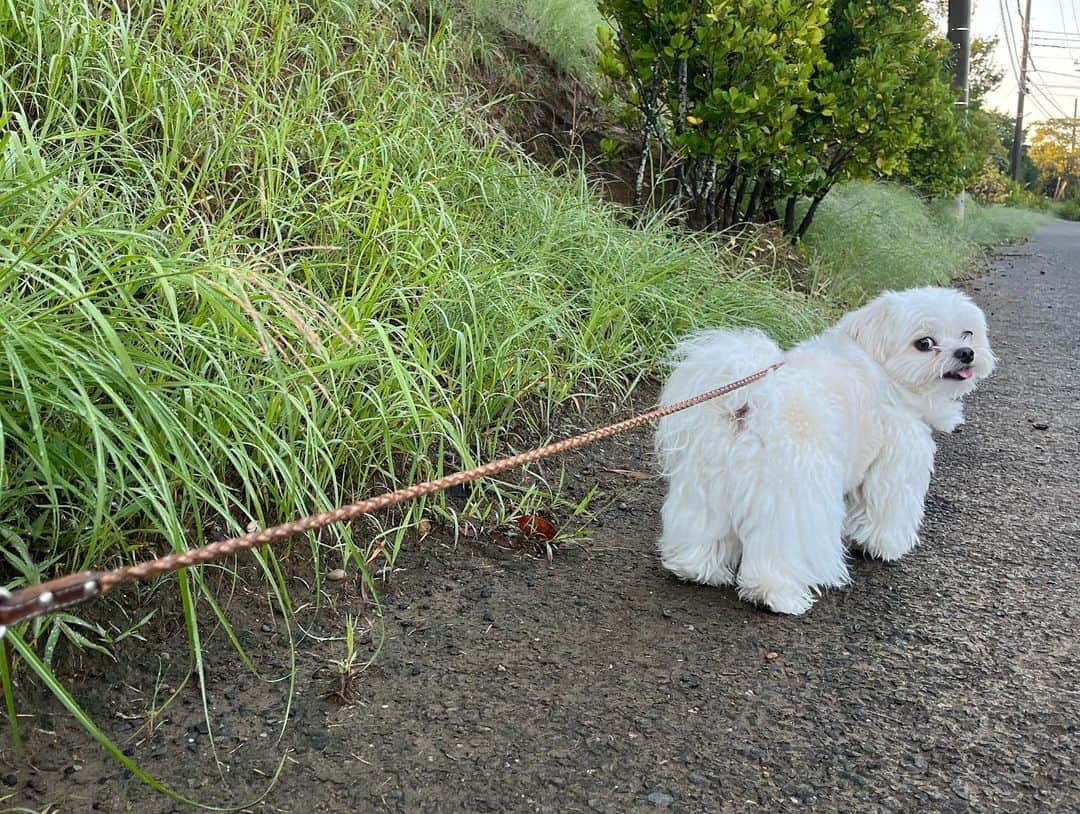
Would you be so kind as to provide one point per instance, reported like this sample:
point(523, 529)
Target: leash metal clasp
point(36, 600)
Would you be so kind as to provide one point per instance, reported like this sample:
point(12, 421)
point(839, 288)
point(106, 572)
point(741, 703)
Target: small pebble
point(660, 799)
point(266, 628)
point(489, 616)
point(337, 575)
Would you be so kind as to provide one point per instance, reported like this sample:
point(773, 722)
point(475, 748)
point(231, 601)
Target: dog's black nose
point(965, 355)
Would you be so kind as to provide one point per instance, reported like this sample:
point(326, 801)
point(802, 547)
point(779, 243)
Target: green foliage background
point(760, 104)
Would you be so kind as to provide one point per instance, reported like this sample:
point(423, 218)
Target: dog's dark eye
point(925, 344)
point(966, 335)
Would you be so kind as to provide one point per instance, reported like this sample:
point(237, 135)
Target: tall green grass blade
point(9, 698)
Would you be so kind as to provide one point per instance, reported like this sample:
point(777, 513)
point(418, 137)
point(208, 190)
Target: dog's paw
point(949, 416)
point(787, 599)
point(889, 548)
point(790, 604)
point(703, 573)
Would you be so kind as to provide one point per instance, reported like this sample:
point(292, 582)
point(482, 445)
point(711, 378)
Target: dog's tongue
point(964, 372)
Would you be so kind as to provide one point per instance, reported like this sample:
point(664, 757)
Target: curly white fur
point(767, 482)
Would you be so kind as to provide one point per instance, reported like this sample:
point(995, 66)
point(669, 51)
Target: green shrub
point(1070, 209)
point(720, 87)
point(1021, 197)
point(990, 187)
point(759, 104)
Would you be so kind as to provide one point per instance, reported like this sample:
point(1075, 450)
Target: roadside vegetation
point(869, 236)
point(261, 257)
point(1070, 209)
point(562, 30)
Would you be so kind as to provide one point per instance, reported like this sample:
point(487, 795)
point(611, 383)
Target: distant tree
point(1054, 150)
point(990, 136)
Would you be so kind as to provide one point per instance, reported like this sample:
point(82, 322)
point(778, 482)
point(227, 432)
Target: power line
point(1010, 38)
point(1036, 103)
point(1046, 41)
point(1066, 36)
point(1049, 97)
point(1049, 32)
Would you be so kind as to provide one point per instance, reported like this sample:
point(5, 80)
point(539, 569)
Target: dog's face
point(930, 340)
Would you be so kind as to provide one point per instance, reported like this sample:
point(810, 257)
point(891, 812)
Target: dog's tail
point(709, 359)
point(705, 361)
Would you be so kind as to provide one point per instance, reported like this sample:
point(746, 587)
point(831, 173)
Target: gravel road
point(949, 681)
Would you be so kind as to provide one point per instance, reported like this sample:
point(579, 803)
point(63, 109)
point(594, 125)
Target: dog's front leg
point(886, 510)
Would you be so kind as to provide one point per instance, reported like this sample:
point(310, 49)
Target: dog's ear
point(869, 327)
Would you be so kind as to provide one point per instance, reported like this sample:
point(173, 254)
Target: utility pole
point(1072, 147)
point(1018, 132)
point(960, 37)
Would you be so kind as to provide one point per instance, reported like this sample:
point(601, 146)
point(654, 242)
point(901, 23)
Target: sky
point(1055, 83)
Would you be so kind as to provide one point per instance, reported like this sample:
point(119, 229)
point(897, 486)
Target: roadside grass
point(261, 257)
point(563, 29)
point(871, 236)
point(258, 305)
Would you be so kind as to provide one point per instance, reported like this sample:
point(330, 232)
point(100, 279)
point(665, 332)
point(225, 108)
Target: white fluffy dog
point(766, 482)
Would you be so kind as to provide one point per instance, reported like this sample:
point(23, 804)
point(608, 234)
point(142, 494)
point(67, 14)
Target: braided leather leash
point(47, 597)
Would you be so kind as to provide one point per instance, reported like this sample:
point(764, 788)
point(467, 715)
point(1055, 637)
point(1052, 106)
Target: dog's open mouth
point(961, 373)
